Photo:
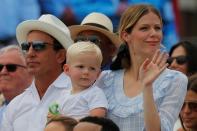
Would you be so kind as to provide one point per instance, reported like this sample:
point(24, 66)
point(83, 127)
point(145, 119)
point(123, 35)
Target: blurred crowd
point(72, 12)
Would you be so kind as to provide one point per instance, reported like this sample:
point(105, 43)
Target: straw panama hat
point(97, 22)
point(48, 24)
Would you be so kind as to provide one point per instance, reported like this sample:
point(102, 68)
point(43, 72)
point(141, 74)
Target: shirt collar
point(62, 81)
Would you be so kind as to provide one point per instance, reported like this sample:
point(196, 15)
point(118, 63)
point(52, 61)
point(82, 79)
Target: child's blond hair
point(83, 47)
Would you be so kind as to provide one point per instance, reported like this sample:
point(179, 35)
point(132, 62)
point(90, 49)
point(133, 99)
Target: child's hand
point(151, 69)
point(53, 111)
point(50, 116)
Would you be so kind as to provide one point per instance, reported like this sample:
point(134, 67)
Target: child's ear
point(66, 69)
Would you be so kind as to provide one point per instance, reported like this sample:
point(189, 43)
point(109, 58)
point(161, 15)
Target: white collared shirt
point(27, 112)
point(2, 110)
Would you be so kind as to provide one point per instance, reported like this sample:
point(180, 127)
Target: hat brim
point(24, 28)
point(76, 29)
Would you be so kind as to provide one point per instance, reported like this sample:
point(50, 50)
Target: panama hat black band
point(97, 25)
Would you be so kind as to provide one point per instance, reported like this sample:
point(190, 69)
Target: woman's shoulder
point(170, 81)
point(108, 77)
point(108, 73)
point(172, 75)
point(169, 78)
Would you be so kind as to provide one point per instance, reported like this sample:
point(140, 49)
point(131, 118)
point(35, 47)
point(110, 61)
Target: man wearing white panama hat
point(98, 28)
point(44, 41)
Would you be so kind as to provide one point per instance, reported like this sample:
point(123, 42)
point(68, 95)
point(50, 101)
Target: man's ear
point(66, 69)
point(61, 56)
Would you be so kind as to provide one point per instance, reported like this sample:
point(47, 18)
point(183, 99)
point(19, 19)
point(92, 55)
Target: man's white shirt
point(27, 112)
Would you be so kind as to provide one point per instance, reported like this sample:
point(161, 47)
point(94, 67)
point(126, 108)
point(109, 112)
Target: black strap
point(97, 25)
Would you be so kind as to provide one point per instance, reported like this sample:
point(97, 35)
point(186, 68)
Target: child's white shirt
point(80, 104)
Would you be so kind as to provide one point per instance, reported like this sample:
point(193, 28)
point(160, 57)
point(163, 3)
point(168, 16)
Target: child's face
point(55, 126)
point(83, 70)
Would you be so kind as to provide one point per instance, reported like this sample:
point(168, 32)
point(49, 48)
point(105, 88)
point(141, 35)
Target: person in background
point(188, 114)
point(183, 57)
point(11, 14)
point(60, 123)
point(14, 77)
point(83, 63)
point(44, 42)
point(98, 28)
point(93, 123)
point(142, 94)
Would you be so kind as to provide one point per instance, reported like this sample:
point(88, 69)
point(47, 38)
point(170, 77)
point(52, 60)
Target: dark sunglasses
point(11, 67)
point(92, 38)
point(192, 105)
point(36, 45)
point(179, 60)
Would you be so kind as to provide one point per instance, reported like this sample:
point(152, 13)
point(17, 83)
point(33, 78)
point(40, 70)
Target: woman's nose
point(153, 32)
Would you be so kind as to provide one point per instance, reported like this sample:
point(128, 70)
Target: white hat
point(98, 22)
point(48, 24)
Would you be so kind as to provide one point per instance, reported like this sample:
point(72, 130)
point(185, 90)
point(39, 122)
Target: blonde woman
point(142, 94)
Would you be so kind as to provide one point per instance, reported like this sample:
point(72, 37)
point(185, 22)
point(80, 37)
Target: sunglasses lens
point(80, 38)
point(181, 60)
point(1, 67)
point(94, 39)
point(11, 67)
point(192, 106)
point(38, 46)
point(25, 46)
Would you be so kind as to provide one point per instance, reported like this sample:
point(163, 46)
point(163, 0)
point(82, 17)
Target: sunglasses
point(11, 67)
point(179, 60)
point(192, 105)
point(36, 45)
point(91, 38)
